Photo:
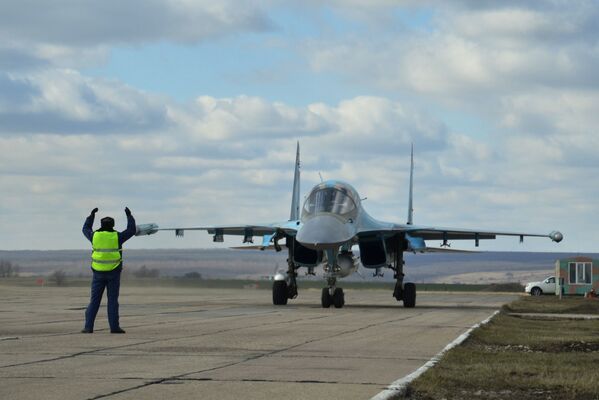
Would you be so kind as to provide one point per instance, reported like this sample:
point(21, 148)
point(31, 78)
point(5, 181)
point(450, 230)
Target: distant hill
point(484, 267)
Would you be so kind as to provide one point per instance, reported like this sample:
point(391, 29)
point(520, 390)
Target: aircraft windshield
point(329, 200)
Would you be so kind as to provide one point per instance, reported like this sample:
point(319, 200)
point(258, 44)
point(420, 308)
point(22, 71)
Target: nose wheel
point(336, 299)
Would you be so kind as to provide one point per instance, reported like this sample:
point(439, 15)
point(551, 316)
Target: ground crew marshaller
point(107, 264)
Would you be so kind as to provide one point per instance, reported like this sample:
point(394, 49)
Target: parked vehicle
point(546, 286)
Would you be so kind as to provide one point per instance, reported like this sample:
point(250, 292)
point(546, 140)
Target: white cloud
point(186, 172)
point(89, 23)
point(64, 101)
point(478, 52)
point(69, 142)
point(80, 33)
point(185, 175)
point(219, 119)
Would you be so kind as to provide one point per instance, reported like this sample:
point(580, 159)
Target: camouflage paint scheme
point(562, 271)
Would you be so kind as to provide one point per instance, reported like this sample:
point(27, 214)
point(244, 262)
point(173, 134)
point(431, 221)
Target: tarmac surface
point(222, 343)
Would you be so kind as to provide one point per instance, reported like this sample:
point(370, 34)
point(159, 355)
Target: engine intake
point(372, 252)
point(303, 255)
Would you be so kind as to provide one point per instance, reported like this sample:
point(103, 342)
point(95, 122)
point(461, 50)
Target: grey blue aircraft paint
point(330, 223)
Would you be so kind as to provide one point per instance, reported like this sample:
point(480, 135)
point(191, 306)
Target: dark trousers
point(110, 280)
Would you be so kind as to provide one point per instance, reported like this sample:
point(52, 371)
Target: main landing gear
point(282, 290)
point(405, 292)
point(279, 293)
point(332, 295)
point(409, 295)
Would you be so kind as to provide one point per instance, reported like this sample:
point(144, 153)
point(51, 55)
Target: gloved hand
point(94, 211)
point(127, 211)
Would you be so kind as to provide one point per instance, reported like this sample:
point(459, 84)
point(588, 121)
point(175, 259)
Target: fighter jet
point(330, 224)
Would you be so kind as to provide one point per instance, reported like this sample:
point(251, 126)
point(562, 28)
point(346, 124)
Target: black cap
point(107, 223)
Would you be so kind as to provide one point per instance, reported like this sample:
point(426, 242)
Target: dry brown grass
point(519, 358)
point(553, 304)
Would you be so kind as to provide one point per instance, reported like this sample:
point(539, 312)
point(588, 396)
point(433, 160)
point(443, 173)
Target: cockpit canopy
point(336, 200)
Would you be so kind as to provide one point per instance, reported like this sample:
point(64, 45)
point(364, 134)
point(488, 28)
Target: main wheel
point(338, 298)
point(398, 292)
point(325, 299)
point(279, 293)
point(536, 291)
point(409, 295)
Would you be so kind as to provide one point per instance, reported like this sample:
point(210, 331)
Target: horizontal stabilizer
point(255, 247)
point(444, 250)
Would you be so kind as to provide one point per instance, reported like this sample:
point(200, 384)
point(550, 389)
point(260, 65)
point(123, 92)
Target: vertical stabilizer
point(410, 205)
point(295, 196)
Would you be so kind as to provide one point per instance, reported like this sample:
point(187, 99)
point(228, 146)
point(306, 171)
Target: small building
point(578, 275)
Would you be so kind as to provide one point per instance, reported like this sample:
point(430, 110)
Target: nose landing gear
point(337, 298)
point(332, 295)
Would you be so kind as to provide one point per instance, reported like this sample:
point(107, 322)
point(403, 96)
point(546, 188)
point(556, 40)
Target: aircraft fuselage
point(329, 216)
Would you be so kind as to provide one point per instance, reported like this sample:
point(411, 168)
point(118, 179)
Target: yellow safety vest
point(106, 254)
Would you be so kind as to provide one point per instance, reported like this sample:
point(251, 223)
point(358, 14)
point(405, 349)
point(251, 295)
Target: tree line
point(8, 269)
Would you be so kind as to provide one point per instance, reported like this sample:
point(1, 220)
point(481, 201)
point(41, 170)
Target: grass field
point(515, 357)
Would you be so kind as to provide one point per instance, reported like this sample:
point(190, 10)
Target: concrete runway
point(222, 344)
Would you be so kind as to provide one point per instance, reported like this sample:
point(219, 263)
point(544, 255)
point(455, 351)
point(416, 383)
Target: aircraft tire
point(326, 298)
point(338, 298)
point(279, 293)
point(409, 295)
point(398, 292)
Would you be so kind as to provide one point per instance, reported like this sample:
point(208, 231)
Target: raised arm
point(87, 230)
point(131, 228)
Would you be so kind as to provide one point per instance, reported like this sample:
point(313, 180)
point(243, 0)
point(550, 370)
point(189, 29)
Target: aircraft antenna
point(295, 196)
point(410, 203)
point(320, 175)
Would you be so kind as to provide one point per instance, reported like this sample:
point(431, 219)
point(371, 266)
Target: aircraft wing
point(239, 230)
point(416, 235)
point(444, 250)
point(440, 233)
point(269, 232)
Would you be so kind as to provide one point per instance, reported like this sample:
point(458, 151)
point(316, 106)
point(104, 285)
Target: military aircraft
point(331, 222)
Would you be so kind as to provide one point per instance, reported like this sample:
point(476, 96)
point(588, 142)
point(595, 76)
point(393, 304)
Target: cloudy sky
point(188, 112)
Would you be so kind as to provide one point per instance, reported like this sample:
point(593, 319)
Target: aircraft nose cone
point(324, 231)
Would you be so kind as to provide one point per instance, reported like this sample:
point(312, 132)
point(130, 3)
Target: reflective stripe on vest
point(106, 254)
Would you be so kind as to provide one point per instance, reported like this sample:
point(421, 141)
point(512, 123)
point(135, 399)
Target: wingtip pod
point(556, 236)
point(146, 229)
